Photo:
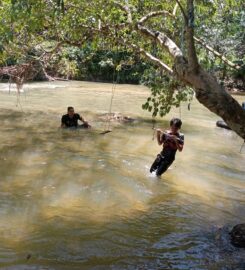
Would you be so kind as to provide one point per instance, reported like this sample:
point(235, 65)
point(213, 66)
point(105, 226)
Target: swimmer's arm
point(82, 119)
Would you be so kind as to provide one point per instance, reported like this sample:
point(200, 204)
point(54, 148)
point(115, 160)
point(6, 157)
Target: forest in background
point(220, 23)
point(90, 64)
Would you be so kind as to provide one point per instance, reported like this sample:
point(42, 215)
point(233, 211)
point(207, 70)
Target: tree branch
point(154, 14)
point(153, 59)
point(191, 50)
point(126, 9)
point(175, 9)
point(58, 45)
point(222, 57)
point(93, 29)
point(181, 9)
point(202, 43)
point(162, 39)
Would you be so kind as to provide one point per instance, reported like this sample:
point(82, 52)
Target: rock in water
point(238, 235)
point(222, 124)
point(28, 257)
point(116, 117)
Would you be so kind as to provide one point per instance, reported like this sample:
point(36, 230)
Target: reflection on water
point(75, 199)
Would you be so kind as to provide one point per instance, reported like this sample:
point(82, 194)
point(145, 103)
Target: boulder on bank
point(237, 235)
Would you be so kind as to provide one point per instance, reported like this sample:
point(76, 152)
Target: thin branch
point(130, 20)
point(58, 45)
point(175, 9)
point(99, 24)
point(182, 10)
point(126, 9)
point(92, 29)
point(153, 59)
point(222, 57)
point(154, 14)
point(149, 56)
point(76, 43)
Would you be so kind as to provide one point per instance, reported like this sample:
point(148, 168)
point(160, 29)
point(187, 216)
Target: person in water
point(172, 140)
point(71, 119)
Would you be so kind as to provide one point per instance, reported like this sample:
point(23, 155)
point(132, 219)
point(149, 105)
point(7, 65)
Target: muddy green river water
point(75, 199)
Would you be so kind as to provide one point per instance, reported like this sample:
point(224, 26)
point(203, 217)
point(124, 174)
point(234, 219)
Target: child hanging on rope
point(172, 141)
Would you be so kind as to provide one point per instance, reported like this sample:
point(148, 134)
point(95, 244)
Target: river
point(76, 199)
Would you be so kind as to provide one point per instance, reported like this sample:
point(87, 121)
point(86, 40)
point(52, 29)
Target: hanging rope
point(107, 127)
point(153, 127)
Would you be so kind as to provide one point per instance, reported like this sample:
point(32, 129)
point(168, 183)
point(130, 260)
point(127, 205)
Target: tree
point(136, 26)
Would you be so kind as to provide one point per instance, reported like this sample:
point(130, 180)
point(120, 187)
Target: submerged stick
point(105, 132)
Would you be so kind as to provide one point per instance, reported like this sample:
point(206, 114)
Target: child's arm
point(159, 136)
point(179, 143)
point(179, 146)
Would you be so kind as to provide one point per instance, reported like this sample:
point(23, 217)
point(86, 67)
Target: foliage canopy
point(33, 28)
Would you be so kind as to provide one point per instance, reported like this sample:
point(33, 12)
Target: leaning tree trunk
point(188, 70)
point(208, 91)
point(212, 95)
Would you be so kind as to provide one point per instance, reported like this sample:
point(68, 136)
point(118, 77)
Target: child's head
point(175, 124)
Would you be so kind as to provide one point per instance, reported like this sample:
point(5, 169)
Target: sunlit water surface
point(75, 199)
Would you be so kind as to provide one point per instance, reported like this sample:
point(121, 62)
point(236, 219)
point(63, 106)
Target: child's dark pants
point(161, 164)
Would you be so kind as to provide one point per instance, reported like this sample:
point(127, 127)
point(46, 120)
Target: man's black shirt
point(70, 122)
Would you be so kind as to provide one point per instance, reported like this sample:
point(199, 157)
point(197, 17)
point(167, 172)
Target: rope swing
point(107, 128)
point(19, 74)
